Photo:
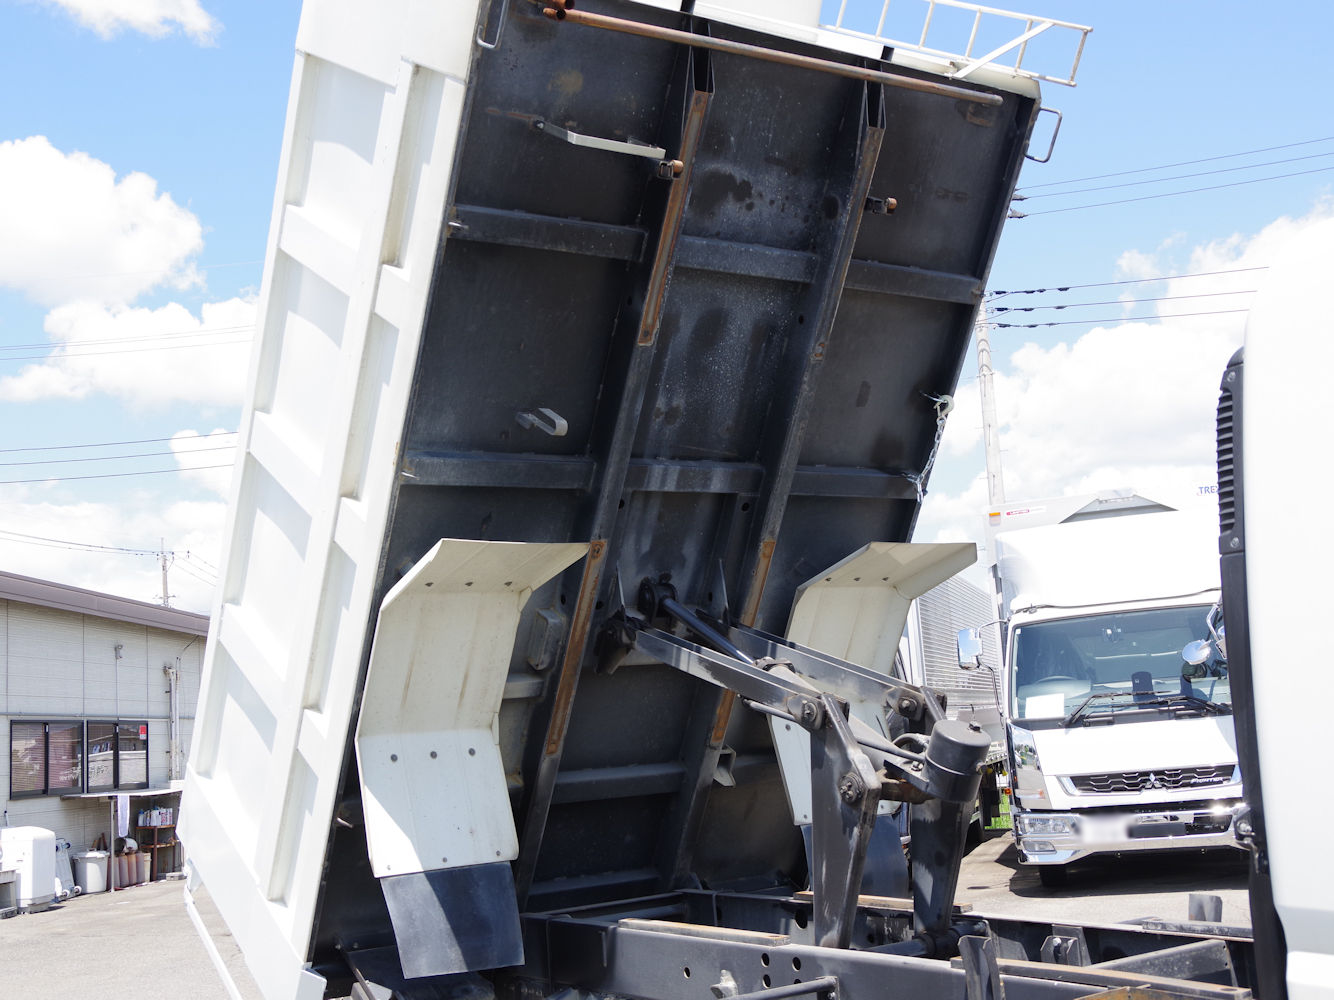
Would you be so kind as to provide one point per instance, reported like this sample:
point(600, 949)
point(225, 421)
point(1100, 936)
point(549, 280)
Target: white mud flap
point(438, 820)
point(856, 610)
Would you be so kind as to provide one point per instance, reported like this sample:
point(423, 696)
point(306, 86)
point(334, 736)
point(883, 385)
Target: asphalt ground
point(139, 942)
point(1103, 890)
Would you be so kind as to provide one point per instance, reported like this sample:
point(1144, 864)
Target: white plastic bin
point(90, 870)
point(31, 851)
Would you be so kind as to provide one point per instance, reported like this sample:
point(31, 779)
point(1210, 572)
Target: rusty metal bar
point(655, 277)
point(628, 27)
point(665, 255)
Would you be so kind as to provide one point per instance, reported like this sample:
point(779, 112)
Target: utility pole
point(990, 431)
point(991, 446)
point(166, 559)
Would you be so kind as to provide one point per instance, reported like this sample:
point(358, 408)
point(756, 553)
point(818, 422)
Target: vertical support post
point(693, 89)
point(935, 872)
point(860, 143)
point(859, 146)
point(845, 792)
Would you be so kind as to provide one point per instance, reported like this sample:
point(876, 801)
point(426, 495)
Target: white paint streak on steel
point(856, 610)
point(373, 117)
point(433, 785)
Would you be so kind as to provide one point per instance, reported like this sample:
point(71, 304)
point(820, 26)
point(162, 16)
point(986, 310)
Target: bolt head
point(850, 790)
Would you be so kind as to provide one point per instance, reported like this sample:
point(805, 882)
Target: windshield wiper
point(1157, 699)
point(1081, 710)
point(1212, 707)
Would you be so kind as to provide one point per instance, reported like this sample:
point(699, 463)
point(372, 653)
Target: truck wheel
point(1052, 876)
point(976, 830)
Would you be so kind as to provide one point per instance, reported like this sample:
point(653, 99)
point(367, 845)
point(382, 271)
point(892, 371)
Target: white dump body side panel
point(374, 113)
point(1289, 350)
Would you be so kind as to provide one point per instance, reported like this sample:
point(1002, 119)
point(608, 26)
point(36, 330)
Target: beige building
point(97, 700)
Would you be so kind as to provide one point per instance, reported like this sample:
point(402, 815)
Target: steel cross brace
point(845, 785)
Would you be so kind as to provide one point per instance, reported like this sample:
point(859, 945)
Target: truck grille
point(1226, 432)
point(1137, 781)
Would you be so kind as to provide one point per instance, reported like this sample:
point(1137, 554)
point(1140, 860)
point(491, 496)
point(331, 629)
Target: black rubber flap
point(454, 920)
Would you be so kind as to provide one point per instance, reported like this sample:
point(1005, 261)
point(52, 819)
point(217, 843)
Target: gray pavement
point(1103, 890)
point(134, 943)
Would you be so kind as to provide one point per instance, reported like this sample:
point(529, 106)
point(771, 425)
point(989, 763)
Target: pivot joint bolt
point(850, 789)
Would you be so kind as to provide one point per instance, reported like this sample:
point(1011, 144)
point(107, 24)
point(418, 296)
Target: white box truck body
point(1117, 745)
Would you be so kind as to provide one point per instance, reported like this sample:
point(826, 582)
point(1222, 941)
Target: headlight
point(1034, 824)
point(1029, 784)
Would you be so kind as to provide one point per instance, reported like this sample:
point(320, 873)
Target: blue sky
point(139, 149)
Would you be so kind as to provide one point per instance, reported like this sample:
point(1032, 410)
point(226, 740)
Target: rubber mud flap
point(455, 919)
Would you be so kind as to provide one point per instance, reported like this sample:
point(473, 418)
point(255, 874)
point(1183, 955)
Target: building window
point(45, 758)
point(117, 756)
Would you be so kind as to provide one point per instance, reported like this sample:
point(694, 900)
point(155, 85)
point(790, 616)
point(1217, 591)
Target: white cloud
point(146, 357)
point(155, 18)
point(190, 530)
point(1131, 404)
point(74, 232)
point(200, 454)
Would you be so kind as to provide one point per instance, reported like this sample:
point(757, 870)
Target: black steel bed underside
point(746, 359)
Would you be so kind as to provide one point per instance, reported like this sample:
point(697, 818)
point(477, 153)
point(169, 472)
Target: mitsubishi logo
point(1154, 781)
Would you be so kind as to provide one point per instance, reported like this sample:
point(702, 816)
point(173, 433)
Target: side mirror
point(1195, 656)
point(969, 646)
point(1197, 652)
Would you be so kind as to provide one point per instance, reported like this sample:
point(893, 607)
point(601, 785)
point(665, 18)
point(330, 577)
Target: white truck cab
point(1117, 743)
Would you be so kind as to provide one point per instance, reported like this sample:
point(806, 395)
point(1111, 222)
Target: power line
point(1118, 319)
point(1168, 194)
point(73, 546)
point(112, 458)
point(128, 350)
point(110, 475)
point(114, 444)
point(1125, 281)
point(1118, 302)
point(1183, 163)
point(66, 543)
point(207, 566)
point(202, 331)
point(185, 568)
point(132, 274)
point(1174, 177)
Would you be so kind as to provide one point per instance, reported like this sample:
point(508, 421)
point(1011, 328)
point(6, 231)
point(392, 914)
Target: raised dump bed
point(599, 350)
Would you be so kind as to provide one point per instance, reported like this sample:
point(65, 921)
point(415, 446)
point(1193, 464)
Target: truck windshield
point(1112, 663)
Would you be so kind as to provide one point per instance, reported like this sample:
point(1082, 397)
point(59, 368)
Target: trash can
point(145, 860)
point(90, 870)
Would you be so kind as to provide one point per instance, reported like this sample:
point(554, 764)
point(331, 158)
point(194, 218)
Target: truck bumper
point(1055, 838)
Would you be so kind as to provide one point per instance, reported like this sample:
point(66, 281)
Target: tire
point(976, 831)
point(1052, 876)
